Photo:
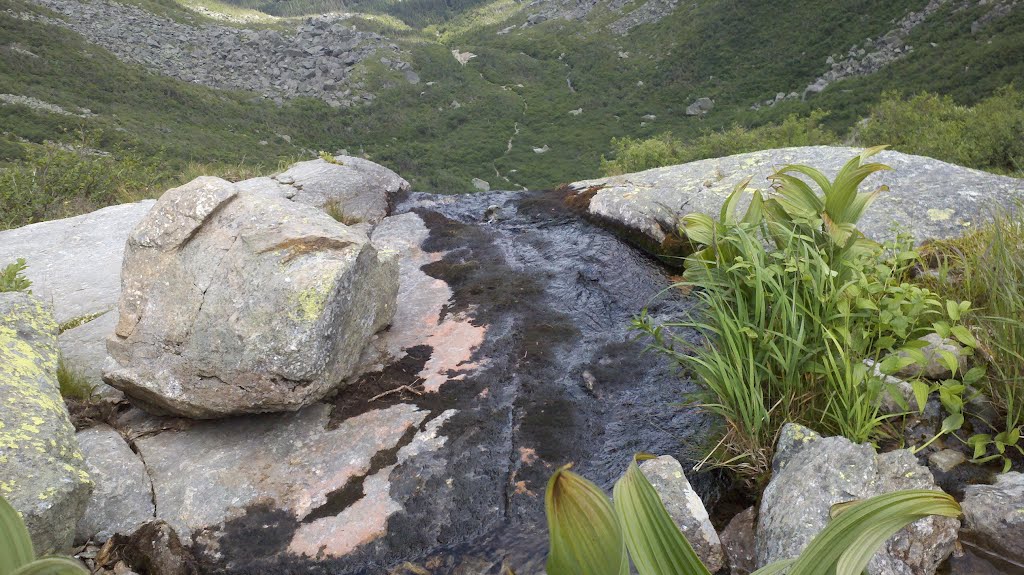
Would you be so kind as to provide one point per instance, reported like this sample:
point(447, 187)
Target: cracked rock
point(237, 301)
point(123, 497)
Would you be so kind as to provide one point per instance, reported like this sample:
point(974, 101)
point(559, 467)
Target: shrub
point(634, 155)
point(12, 277)
point(54, 182)
point(987, 136)
point(590, 535)
point(987, 267)
point(795, 301)
point(17, 557)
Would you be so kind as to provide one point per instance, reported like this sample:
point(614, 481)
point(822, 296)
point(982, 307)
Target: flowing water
point(558, 378)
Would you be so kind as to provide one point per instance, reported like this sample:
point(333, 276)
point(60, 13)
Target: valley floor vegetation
point(137, 132)
point(988, 136)
point(803, 319)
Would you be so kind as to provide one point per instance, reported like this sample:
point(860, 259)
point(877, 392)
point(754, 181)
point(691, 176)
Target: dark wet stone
point(511, 340)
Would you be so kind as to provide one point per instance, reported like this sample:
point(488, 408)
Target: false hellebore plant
point(17, 557)
point(589, 535)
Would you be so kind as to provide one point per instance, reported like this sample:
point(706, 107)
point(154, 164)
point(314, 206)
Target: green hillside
point(456, 124)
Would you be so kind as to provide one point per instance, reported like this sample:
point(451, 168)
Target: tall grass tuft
point(987, 267)
point(795, 304)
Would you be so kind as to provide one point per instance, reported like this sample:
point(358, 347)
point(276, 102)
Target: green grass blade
point(846, 545)
point(585, 536)
point(52, 566)
point(15, 544)
point(654, 541)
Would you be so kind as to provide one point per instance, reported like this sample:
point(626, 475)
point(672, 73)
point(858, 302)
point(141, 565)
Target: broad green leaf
point(728, 212)
point(952, 423)
point(921, 391)
point(818, 177)
point(974, 375)
point(52, 566)
point(796, 195)
point(953, 310)
point(655, 543)
point(964, 335)
point(15, 544)
point(949, 360)
point(755, 211)
point(980, 442)
point(585, 536)
point(893, 363)
point(699, 228)
point(849, 541)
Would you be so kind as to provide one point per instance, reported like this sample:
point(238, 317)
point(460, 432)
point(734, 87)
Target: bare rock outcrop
point(239, 301)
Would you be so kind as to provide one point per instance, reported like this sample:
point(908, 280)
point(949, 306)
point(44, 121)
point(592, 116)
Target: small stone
point(699, 107)
point(946, 460)
point(685, 508)
point(739, 544)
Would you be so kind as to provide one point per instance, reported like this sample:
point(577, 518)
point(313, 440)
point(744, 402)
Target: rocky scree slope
point(317, 60)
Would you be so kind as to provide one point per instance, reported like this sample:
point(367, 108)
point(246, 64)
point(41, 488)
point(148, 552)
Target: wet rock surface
point(513, 358)
point(42, 474)
point(926, 197)
point(811, 473)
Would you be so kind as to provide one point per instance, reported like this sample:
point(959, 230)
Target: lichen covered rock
point(812, 473)
point(42, 473)
point(238, 301)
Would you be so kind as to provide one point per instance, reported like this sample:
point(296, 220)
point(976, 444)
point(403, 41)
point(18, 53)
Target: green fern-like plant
point(589, 535)
point(17, 556)
point(12, 277)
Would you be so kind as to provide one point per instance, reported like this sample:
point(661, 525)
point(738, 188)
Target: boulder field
point(458, 350)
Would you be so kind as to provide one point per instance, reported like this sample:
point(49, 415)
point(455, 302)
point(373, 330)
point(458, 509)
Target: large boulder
point(812, 473)
point(123, 498)
point(75, 264)
point(243, 302)
point(994, 516)
point(685, 508)
point(42, 473)
point(926, 197)
point(354, 189)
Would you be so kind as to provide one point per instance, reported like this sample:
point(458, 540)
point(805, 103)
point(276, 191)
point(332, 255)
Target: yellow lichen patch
point(37, 447)
point(310, 302)
point(937, 215)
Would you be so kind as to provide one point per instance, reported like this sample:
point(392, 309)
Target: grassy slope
point(733, 51)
